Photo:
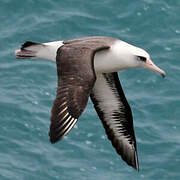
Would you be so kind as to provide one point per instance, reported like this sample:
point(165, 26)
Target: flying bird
point(86, 67)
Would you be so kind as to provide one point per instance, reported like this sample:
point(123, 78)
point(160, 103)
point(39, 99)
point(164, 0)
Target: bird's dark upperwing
point(76, 79)
point(115, 114)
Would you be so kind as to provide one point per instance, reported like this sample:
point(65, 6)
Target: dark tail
point(28, 50)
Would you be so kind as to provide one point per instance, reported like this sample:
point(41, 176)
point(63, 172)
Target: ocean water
point(28, 88)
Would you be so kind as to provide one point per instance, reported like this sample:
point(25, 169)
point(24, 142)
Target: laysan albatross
point(88, 67)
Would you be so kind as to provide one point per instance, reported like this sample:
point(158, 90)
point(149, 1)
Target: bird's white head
point(126, 56)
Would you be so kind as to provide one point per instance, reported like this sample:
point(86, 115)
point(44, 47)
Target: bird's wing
point(115, 113)
point(76, 78)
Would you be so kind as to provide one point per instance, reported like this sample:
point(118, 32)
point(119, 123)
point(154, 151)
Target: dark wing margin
point(115, 113)
point(76, 77)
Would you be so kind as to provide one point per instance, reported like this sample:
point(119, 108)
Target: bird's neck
point(112, 60)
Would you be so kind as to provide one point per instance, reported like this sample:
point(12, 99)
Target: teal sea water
point(28, 88)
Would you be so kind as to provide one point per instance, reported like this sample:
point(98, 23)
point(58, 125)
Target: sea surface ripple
point(28, 88)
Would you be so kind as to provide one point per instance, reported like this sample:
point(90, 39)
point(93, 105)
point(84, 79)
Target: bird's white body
point(119, 56)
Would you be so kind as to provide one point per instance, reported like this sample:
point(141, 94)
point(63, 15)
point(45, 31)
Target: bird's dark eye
point(141, 58)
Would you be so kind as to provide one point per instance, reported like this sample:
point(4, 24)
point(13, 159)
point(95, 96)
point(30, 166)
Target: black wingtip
point(130, 157)
point(133, 164)
point(53, 141)
point(53, 138)
point(136, 167)
point(136, 163)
